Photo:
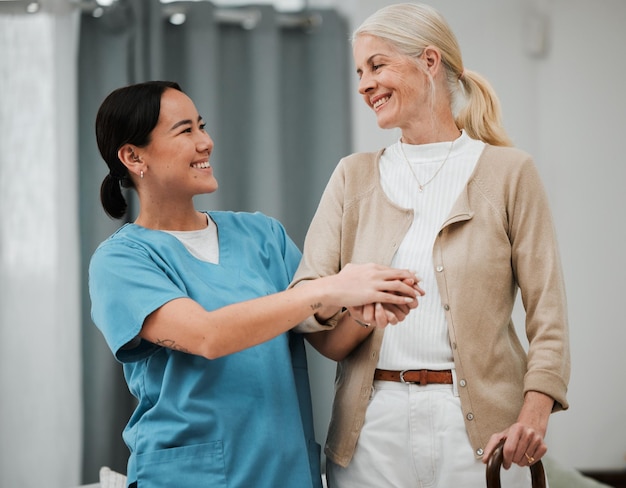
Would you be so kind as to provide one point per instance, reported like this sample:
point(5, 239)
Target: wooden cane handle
point(495, 463)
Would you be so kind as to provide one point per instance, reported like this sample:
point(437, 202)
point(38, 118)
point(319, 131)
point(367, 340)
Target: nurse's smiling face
point(178, 154)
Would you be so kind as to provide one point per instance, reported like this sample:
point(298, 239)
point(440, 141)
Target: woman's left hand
point(524, 440)
point(378, 315)
point(384, 314)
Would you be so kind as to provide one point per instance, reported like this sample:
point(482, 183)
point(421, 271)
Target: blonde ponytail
point(480, 116)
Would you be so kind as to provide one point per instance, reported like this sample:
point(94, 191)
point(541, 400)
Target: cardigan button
point(439, 269)
point(479, 451)
point(462, 383)
point(470, 416)
point(446, 307)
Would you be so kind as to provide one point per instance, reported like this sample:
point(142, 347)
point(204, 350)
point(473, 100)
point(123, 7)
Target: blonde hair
point(410, 28)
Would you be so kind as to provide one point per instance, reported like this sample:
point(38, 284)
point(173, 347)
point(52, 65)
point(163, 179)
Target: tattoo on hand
point(316, 306)
point(170, 344)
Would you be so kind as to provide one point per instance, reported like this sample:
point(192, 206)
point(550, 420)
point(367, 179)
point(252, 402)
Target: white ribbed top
point(202, 244)
point(421, 341)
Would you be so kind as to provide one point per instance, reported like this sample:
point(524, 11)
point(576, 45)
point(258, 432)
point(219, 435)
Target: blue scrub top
point(244, 420)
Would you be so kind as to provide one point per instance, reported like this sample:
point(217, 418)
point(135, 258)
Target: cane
point(495, 463)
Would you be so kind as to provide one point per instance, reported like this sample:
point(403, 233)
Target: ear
point(432, 58)
point(130, 159)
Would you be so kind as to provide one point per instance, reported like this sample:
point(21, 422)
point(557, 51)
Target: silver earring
point(141, 174)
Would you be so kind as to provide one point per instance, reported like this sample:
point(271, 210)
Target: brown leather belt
point(419, 376)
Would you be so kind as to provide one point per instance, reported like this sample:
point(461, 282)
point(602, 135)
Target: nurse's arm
point(182, 324)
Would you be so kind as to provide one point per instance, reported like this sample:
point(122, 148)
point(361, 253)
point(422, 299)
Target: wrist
point(360, 322)
point(329, 319)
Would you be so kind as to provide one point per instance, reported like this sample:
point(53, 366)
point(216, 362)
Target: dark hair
point(126, 116)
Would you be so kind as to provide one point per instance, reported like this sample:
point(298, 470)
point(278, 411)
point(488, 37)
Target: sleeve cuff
point(311, 324)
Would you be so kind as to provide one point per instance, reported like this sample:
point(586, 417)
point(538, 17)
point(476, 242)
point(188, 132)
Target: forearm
point(184, 325)
point(337, 343)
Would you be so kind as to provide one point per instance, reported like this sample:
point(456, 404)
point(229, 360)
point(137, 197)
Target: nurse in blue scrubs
point(193, 304)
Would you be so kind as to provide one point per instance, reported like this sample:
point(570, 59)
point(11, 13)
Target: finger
point(401, 288)
point(514, 449)
point(392, 318)
point(403, 308)
point(419, 289)
point(385, 296)
point(530, 445)
point(494, 440)
point(534, 452)
point(416, 286)
point(392, 274)
point(414, 304)
point(368, 313)
point(399, 311)
point(380, 316)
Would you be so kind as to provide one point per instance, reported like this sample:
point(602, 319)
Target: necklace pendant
point(420, 186)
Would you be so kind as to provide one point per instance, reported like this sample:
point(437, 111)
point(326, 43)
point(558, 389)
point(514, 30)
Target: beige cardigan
point(499, 236)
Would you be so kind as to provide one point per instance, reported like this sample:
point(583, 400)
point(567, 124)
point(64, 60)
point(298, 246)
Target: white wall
point(565, 105)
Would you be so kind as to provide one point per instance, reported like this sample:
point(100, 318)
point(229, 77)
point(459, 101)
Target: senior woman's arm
point(537, 266)
point(322, 251)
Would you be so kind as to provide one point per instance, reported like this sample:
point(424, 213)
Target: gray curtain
point(273, 89)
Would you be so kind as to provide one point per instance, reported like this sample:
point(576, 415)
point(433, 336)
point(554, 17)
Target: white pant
point(414, 436)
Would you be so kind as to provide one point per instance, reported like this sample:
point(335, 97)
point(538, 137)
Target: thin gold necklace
point(421, 185)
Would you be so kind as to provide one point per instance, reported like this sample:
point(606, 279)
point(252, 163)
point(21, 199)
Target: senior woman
point(425, 402)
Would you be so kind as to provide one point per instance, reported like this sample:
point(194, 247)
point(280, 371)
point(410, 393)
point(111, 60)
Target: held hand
point(374, 314)
point(384, 314)
point(397, 313)
point(360, 284)
point(380, 314)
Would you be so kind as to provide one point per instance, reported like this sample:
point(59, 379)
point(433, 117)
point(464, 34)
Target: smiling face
point(177, 157)
point(391, 84)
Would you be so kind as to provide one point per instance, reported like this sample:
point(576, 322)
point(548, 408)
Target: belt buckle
point(402, 380)
point(423, 381)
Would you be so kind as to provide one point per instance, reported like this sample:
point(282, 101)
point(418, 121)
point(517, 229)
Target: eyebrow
point(369, 60)
point(185, 122)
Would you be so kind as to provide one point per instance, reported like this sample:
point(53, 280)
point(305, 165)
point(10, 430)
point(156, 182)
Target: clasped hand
point(382, 313)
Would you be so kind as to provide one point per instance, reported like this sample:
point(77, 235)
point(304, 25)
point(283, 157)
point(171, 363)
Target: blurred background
point(276, 86)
